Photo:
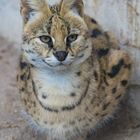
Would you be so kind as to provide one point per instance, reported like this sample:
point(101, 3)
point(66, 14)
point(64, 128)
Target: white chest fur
point(55, 88)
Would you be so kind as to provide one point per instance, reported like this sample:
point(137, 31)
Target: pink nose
point(61, 55)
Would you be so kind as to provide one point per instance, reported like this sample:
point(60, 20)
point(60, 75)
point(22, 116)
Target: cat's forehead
point(55, 25)
point(58, 25)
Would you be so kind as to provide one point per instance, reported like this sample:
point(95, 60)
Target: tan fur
point(71, 99)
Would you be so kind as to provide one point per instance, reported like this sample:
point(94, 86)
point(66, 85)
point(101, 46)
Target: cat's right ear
point(30, 8)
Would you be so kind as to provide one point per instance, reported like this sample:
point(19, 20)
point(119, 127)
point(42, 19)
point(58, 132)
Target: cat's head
point(54, 36)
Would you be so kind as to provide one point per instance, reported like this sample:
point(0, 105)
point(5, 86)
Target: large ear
point(76, 6)
point(31, 7)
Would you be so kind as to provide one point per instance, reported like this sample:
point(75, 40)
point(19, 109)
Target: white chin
point(61, 67)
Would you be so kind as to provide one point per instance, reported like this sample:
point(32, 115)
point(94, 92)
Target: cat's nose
point(60, 55)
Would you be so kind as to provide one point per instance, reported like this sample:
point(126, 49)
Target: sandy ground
point(125, 126)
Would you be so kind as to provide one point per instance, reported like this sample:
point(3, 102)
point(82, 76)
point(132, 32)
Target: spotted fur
point(72, 74)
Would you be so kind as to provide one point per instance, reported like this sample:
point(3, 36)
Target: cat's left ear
point(29, 8)
point(75, 6)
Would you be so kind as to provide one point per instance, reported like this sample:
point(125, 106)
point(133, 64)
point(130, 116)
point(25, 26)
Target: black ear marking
point(93, 21)
point(78, 7)
point(30, 7)
point(95, 33)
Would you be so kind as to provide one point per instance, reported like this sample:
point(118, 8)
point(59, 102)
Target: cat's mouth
point(59, 64)
point(63, 64)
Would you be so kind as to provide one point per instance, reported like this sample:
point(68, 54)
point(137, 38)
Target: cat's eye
point(71, 38)
point(46, 39)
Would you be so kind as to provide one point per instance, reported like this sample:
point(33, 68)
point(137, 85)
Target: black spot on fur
point(106, 105)
point(105, 81)
point(66, 108)
point(22, 89)
point(23, 77)
point(29, 74)
point(103, 52)
point(116, 69)
point(114, 90)
point(103, 115)
point(96, 75)
point(118, 96)
point(90, 120)
point(128, 66)
point(33, 84)
point(33, 60)
point(30, 51)
point(79, 73)
point(73, 94)
point(97, 114)
point(51, 110)
point(124, 82)
point(95, 33)
point(23, 65)
point(93, 21)
point(44, 96)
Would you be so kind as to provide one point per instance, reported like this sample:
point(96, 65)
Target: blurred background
point(10, 20)
point(122, 17)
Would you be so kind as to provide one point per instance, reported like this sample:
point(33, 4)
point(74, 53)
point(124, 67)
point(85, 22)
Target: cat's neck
point(58, 72)
point(73, 72)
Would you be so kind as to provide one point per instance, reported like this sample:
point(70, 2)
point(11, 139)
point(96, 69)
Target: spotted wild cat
point(72, 74)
